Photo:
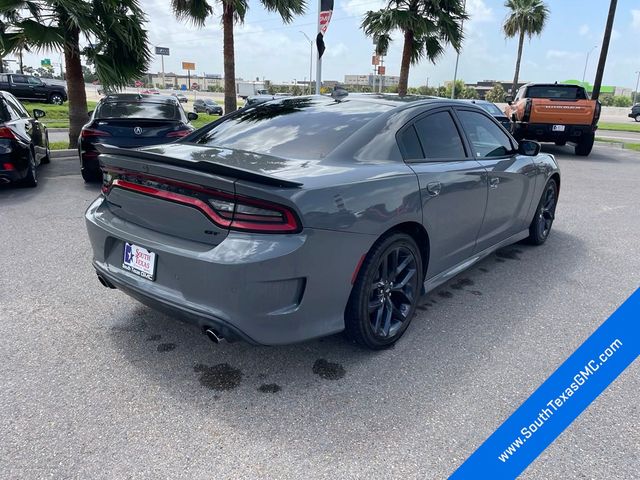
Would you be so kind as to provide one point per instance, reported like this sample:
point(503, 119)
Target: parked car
point(182, 98)
point(494, 110)
point(150, 91)
point(552, 112)
point(635, 112)
point(28, 87)
point(257, 99)
point(208, 106)
point(24, 142)
point(130, 120)
point(306, 216)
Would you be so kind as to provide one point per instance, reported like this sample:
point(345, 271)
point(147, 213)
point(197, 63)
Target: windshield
point(491, 108)
point(147, 110)
point(302, 127)
point(562, 92)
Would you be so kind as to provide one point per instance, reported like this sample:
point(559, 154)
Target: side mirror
point(528, 148)
point(89, 113)
point(37, 113)
point(508, 99)
point(192, 116)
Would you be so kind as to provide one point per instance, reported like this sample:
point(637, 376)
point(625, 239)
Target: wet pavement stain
point(328, 370)
point(461, 283)
point(510, 254)
point(166, 347)
point(445, 294)
point(421, 307)
point(262, 376)
point(269, 388)
point(153, 338)
point(483, 270)
point(476, 292)
point(218, 377)
point(500, 260)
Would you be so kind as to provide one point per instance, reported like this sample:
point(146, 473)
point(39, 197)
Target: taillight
point(179, 133)
point(224, 209)
point(92, 132)
point(527, 110)
point(8, 166)
point(6, 132)
point(596, 114)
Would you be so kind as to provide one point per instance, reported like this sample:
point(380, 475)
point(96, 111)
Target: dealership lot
point(94, 385)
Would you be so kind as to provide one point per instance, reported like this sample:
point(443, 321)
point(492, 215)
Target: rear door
point(510, 177)
point(20, 87)
point(452, 183)
point(38, 89)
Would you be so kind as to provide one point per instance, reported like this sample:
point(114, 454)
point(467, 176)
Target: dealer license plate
point(558, 128)
point(139, 261)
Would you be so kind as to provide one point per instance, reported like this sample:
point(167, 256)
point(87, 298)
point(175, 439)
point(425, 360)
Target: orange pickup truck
point(557, 113)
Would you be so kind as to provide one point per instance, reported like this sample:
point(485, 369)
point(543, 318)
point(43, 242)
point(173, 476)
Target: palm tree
point(117, 42)
point(525, 17)
point(427, 25)
point(233, 11)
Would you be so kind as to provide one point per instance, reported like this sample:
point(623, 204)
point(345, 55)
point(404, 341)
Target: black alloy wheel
point(386, 292)
point(545, 214)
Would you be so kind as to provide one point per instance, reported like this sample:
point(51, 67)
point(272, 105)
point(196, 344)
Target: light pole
point(455, 72)
point(584, 73)
point(635, 92)
point(310, 58)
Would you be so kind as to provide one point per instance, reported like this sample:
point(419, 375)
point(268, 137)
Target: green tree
point(233, 11)
point(428, 26)
point(621, 101)
point(496, 94)
point(462, 91)
point(525, 17)
point(112, 28)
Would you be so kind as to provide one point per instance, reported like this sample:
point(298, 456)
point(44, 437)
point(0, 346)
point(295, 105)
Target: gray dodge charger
point(307, 216)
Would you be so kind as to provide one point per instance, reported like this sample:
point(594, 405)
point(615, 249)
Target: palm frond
point(194, 11)
point(286, 8)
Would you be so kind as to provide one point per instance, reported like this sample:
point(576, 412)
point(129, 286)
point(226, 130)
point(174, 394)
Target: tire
point(31, 179)
point(379, 312)
point(56, 99)
point(540, 226)
point(637, 119)
point(91, 176)
point(585, 145)
point(560, 143)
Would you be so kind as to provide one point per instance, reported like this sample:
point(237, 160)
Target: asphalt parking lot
point(95, 385)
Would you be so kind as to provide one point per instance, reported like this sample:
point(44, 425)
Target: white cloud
point(635, 22)
point(360, 7)
point(560, 54)
point(584, 30)
point(479, 12)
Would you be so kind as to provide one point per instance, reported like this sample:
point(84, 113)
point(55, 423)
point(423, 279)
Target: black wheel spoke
point(388, 310)
point(403, 265)
point(408, 297)
point(403, 282)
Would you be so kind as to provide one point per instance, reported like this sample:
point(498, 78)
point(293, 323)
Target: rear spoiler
point(200, 166)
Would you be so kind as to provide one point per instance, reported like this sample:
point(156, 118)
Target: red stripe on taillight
point(6, 132)
point(8, 166)
point(179, 133)
point(92, 132)
point(286, 222)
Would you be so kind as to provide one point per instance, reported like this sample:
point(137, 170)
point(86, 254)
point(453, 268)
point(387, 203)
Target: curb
point(64, 153)
point(57, 130)
point(609, 144)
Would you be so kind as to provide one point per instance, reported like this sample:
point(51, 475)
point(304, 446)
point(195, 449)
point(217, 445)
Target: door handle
point(434, 188)
point(494, 182)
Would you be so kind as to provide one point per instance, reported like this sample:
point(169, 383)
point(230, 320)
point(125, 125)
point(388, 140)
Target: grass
point(625, 145)
point(58, 145)
point(204, 119)
point(620, 127)
point(57, 116)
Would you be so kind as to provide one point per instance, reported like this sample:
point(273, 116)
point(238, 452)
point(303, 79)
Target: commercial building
point(175, 81)
point(370, 80)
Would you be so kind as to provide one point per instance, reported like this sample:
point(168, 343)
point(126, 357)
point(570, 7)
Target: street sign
point(183, 87)
point(45, 62)
point(162, 51)
point(195, 86)
point(382, 70)
point(375, 60)
point(138, 83)
point(188, 66)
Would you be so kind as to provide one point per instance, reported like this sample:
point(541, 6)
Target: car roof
point(137, 97)
point(552, 85)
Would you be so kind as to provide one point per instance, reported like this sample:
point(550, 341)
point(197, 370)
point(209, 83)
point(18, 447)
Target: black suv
point(208, 106)
point(635, 112)
point(28, 87)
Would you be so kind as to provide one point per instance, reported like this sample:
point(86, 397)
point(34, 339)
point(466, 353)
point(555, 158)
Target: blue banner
point(560, 399)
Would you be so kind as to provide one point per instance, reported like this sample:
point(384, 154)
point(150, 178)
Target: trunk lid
point(564, 112)
point(131, 133)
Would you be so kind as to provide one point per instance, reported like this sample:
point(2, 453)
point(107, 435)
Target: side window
point(34, 81)
point(21, 79)
point(411, 148)
point(4, 79)
point(439, 137)
point(487, 138)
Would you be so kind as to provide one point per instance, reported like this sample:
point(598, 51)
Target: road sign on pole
point(45, 62)
point(162, 51)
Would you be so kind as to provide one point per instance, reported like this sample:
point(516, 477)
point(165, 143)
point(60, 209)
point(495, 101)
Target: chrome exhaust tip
point(214, 335)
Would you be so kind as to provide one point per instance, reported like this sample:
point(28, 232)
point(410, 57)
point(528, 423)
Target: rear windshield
point(147, 110)
point(564, 92)
point(490, 108)
point(303, 127)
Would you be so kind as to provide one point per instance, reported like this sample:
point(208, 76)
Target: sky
point(267, 48)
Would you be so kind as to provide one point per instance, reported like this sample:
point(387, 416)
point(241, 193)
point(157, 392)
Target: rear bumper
point(265, 289)
point(543, 132)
